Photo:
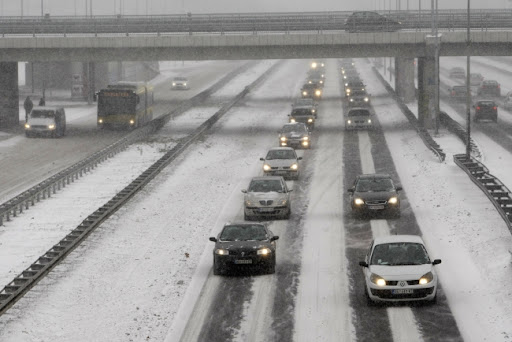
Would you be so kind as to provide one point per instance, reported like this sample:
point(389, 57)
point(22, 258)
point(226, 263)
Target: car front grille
point(266, 202)
point(246, 252)
point(418, 293)
point(280, 168)
point(395, 282)
point(376, 202)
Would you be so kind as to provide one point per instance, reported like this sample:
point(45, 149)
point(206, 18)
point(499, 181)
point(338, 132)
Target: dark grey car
point(374, 193)
point(243, 246)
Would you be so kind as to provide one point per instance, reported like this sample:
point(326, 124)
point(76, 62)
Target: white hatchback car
point(281, 161)
point(398, 268)
point(267, 197)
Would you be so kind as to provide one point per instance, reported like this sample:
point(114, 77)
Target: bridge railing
point(244, 22)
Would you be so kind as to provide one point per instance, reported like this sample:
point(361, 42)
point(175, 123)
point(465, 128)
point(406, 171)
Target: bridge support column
point(9, 95)
point(426, 89)
point(404, 78)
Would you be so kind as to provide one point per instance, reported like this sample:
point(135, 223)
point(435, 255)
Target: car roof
point(358, 109)
point(267, 178)
point(281, 148)
point(486, 101)
point(374, 175)
point(398, 238)
point(243, 223)
point(295, 124)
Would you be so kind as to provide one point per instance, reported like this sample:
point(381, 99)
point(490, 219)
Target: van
point(46, 121)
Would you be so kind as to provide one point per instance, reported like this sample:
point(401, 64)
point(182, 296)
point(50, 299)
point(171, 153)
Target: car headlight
point(313, 110)
point(366, 99)
point(221, 251)
point(304, 93)
point(377, 280)
point(393, 200)
point(100, 121)
point(344, 77)
point(294, 166)
point(27, 125)
point(346, 84)
point(132, 122)
point(52, 126)
point(369, 121)
point(305, 138)
point(349, 122)
point(321, 82)
point(310, 82)
point(351, 100)
point(184, 84)
point(426, 278)
point(310, 120)
point(358, 201)
point(264, 251)
point(323, 75)
point(283, 202)
point(347, 90)
point(343, 71)
point(173, 84)
point(266, 167)
point(248, 203)
point(363, 89)
point(318, 93)
point(282, 138)
point(313, 65)
point(292, 119)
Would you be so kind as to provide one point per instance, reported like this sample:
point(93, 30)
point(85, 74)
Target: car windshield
point(399, 254)
point(304, 102)
point(374, 185)
point(301, 112)
point(266, 185)
point(42, 114)
point(359, 112)
point(293, 128)
point(243, 233)
point(359, 93)
point(280, 154)
point(180, 78)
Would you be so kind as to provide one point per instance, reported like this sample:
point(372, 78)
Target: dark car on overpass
point(367, 21)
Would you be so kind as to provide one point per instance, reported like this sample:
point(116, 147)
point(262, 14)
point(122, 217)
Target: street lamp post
point(468, 88)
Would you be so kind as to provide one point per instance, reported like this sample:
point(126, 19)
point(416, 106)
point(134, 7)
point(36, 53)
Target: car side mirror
point(363, 263)
point(399, 188)
point(244, 191)
point(274, 238)
point(262, 159)
point(299, 158)
point(213, 239)
point(351, 190)
point(436, 262)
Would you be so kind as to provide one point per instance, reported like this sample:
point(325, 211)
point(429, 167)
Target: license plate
point(266, 210)
point(402, 291)
point(376, 207)
point(243, 262)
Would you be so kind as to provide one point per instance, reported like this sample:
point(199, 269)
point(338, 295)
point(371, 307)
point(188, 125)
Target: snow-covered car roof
point(398, 238)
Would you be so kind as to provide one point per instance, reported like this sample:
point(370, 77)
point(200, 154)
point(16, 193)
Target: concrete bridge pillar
point(9, 95)
point(426, 91)
point(404, 78)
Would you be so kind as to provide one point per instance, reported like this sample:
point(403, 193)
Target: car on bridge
point(267, 196)
point(242, 246)
point(358, 98)
point(312, 91)
point(374, 193)
point(46, 121)
point(485, 110)
point(457, 72)
point(358, 118)
point(367, 21)
point(295, 135)
point(397, 268)
point(180, 83)
point(489, 88)
point(304, 115)
point(281, 161)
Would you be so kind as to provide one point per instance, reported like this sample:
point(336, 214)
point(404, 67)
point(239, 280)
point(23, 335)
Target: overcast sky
point(130, 7)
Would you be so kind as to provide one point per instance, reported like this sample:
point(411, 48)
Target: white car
point(358, 118)
point(281, 161)
point(267, 197)
point(398, 268)
point(180, 83)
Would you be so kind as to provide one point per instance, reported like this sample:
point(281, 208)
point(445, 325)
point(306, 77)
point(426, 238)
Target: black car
point(366, 21)
point(295, 135)
point(243, 246)
point(489, 88)
point(485, 110)
point(304, 115)
point(374, 193)
point(312, 91)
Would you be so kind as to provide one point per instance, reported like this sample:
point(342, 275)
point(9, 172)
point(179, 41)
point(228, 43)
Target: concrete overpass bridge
point(248, 36)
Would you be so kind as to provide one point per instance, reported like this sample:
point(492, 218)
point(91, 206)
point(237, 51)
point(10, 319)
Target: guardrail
point(448, 20)
point(51, 185)
point(21, 284)
point(454, 127)
point(495, 190)
point(422, 132)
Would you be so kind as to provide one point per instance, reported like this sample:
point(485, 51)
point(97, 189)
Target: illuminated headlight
point(305, 138)
point(349, 122)
point(318, 93)
point(351, 100)
point(348, 90)
point(358, 201)
point(304, 93)
point(363, 88)
point(310, 82)
point(313, 110)
point(345, 77)
point(282, 202)
point(294, 166)
point(27, 126)
point(292, 119)
point(369, 121)
point(321, 82)
point(184, 84)
point(132, 122)
point(426, 278)
point(377, 280)
point(100, 121)
point(393, 200)
point(323, 75)
point(173, 84)
point(324, 64)
point(282, 138)
point(310, 120)
point(346, 84)
point(248, 203)
point(313, 65)
point(52, 126)
point(266, 167)
point(221, 251)
point(343, 71)
point(366, 99)
point(264, 251)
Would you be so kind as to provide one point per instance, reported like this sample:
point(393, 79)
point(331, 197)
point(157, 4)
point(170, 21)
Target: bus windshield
point(110, 105)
